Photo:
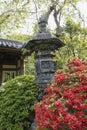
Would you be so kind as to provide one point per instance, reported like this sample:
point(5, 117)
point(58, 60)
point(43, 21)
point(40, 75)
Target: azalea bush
point(64, 107)
point(17, 98)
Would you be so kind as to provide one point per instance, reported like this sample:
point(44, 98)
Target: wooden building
point(11, 59)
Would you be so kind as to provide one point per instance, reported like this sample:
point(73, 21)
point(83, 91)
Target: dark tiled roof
point(11, 43)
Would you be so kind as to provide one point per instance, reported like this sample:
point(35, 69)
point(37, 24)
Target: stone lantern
point(44, 45)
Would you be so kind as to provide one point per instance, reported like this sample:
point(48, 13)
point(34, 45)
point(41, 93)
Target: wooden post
point(21, 66)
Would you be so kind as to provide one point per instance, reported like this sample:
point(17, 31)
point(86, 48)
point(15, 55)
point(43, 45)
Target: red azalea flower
point(65, 104)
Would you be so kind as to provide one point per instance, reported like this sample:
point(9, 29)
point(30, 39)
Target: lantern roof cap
point(44, 36)
point(43, 33)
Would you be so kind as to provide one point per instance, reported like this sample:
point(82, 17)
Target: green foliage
point(19, 36)
point(72, 28)
point(30, 65)
point(12, 15)
point(16, 14)
point(17, 98)
point(75, 38)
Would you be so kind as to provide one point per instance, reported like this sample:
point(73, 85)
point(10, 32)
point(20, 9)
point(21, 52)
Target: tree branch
point(74, 6)
point(35, 9)
point(26, 3)
point(57, 16)
point(49, 11)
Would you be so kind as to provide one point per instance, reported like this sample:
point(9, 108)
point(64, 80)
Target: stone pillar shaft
point(45, 68)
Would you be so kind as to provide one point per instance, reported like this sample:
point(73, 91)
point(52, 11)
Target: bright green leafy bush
point(17, 97)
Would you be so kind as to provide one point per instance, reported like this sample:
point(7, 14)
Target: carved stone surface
point(43, 66)
point(45, 69)
point(44, 44)
point(41, 54)
point(34, 125)
point(44, 78)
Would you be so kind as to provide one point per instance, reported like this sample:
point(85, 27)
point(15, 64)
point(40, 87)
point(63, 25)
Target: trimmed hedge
point(17, 98)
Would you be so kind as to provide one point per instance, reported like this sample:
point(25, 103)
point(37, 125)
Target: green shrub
point(17, 98)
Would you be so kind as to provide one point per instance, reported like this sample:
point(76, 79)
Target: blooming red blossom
point(65, 104)
point(59, 77)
